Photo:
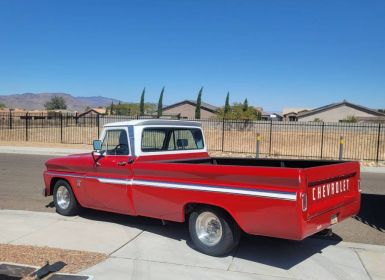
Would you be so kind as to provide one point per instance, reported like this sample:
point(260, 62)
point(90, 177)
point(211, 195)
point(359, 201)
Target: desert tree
point(56, 103)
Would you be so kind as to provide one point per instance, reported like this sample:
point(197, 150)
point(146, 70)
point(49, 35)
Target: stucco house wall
point(187, 111)
point(336, 114)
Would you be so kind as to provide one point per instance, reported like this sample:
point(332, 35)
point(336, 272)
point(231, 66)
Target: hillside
point(36, 101)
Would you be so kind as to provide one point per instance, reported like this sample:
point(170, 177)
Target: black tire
point(73, 206)
point(229, 239)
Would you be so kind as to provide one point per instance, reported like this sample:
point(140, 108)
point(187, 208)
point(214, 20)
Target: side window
point(115, 142)
point(171, 139)
point(153, 139)
point(188, 139)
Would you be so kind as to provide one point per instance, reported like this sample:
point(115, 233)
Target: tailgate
point(331, 186)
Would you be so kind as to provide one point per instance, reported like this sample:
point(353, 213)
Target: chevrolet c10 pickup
point(161, 169)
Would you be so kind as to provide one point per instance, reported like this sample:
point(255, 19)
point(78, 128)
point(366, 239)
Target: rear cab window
point(158, 139)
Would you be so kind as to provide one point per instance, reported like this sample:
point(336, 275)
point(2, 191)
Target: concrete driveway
point(141, 248)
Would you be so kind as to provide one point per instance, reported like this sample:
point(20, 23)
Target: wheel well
point(190, 207)
point(53, 182)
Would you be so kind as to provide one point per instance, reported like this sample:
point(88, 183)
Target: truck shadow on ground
point(372, 211)
point(274, 252)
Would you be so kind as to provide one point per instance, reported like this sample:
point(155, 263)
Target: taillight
point(359, 185)
point(304, 201)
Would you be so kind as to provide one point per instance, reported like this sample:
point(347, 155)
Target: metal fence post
point(341, 152)
point(26, 127)
point(97, 124)
point(223, 134)
point(322, 138)
point(10, 118)
point(257, 147)
point(378, 142)
point(61, 127)
point(270, 136)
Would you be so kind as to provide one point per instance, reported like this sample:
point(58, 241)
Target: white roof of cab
point(154, 122)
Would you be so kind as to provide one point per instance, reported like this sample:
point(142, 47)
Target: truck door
point(108, 186)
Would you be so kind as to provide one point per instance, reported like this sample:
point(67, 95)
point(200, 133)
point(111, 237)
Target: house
point(265, 116)
point(339, 112)
point(93, 112)
point(290, 114)
point(292, 117)
point(186, 109)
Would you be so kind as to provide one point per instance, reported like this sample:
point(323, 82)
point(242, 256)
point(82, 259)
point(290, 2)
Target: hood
point(72, 163)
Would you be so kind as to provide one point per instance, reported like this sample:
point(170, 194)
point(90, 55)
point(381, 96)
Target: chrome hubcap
point(63, 197)
point(208, 228)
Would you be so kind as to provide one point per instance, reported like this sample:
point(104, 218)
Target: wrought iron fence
point(363, 141)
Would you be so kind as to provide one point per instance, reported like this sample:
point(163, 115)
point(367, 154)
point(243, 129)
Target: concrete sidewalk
point(140, 248)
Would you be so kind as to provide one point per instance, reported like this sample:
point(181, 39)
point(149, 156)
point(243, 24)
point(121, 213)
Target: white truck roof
point(154, 122)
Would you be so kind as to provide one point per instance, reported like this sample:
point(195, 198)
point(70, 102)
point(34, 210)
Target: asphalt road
point(21, 187)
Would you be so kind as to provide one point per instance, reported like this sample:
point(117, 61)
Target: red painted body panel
point(257, 215)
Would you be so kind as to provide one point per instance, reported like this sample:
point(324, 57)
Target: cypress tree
point(245, 105)
point(198, 105)
point(142, 102)
point(160, 103)
point(227, 104)
point(112, 108)
point(118, 107)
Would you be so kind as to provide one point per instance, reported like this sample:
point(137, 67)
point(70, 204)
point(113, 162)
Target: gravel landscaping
point(38, 256)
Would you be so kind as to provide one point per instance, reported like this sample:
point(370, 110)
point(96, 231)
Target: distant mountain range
point(36, 101)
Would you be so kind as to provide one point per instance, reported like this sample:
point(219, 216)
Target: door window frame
point(104, 135)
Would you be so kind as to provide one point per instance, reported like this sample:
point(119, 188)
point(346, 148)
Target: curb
point(367, 169)
point(40, 151)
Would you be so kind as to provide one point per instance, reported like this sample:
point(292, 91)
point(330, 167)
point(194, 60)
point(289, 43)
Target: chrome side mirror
point(97, 144)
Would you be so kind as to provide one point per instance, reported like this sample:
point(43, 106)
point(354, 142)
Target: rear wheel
point(64, 199)
point(213, 231)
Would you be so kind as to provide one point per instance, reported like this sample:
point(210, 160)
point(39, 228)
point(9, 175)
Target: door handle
point(122, 163)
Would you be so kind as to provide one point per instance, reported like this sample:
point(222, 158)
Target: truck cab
point(152, 137)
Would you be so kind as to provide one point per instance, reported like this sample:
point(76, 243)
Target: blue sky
point(277, 54)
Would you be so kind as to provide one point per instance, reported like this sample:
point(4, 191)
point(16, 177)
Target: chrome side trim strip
point(251, 192)
point(292, 196)
point(100, 179)
point(114, 181)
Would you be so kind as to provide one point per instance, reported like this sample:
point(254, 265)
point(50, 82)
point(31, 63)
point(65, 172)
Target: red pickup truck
point(161, 169)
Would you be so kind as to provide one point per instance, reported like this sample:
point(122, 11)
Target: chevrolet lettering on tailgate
point(330, 189)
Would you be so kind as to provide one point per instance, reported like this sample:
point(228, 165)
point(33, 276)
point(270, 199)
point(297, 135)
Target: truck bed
point(302, 196)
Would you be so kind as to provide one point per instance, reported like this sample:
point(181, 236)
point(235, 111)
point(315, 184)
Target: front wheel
point(213, 231)
point(64, 199)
